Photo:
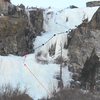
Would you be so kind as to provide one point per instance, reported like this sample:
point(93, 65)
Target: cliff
point(84, 51)
point(16, 34)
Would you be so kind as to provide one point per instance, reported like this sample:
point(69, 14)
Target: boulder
point(93, 3)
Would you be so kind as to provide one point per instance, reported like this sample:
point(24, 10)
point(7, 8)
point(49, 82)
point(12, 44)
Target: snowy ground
point(13, 69)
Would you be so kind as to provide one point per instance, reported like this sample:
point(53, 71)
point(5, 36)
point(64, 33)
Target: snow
point(13, 70)
point(56, 22)
point(75, 17)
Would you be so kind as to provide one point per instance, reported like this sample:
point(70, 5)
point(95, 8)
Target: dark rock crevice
point(88, 74)
point(36, 18)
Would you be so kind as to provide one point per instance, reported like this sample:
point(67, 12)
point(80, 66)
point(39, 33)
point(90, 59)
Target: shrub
point(9, 93)
point(73, 94)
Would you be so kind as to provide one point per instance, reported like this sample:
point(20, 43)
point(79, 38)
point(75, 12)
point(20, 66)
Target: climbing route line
point(51, 38)
point(34, 76)
point(41, 83)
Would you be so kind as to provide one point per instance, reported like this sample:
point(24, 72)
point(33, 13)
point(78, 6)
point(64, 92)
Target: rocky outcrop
point(85, 40)
point(94, 24)
point(93, 3)
point(4, 5)
point(16, 34)
point(36, 18)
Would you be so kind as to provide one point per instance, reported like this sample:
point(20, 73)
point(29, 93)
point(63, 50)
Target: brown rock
point(82, 42)
point(16, 35)
point(93, 3)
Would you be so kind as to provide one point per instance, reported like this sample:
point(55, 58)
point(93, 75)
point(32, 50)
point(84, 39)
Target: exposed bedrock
point(84, 51)
point(16, 34)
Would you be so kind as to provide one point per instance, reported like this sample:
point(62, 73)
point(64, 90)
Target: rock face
point(89, 72)
point(16, 35)
point(13, 36)
point(93, 3)
point(4, 5)
point(36, 18)
point(84, 47)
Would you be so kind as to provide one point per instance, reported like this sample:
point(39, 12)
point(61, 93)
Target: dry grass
point(73, 94)
point(8, 93)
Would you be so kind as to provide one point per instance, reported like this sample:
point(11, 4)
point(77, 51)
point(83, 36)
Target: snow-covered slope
point(13, 71)
point(57, 24)
point(37, 77)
